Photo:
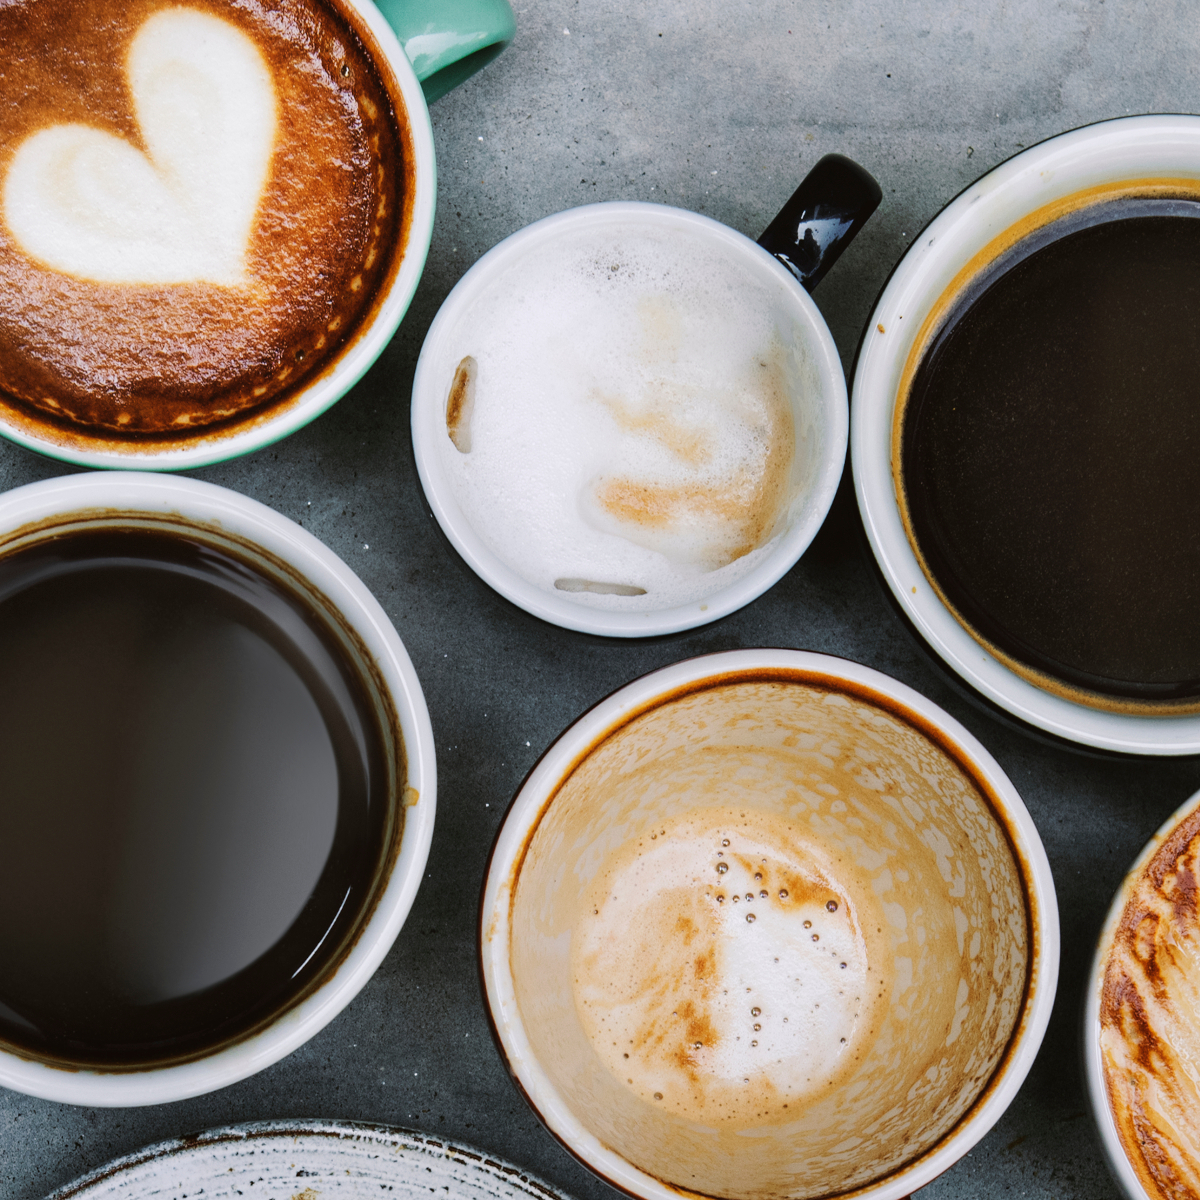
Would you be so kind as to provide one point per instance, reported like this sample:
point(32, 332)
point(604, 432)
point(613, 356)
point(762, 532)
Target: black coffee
point(194, 798)
point(1050, 452)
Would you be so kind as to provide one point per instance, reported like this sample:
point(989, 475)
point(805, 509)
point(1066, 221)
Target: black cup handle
point(824, 213)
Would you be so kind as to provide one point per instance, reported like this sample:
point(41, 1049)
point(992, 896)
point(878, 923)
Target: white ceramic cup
point(1123, 1170)
point(347, 367)
point(820, 416)
point(534, 1007)
point(208, 512)
point(1104, 157)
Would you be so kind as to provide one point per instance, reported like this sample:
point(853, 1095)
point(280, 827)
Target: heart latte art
point(90, 204)
point(202, 207)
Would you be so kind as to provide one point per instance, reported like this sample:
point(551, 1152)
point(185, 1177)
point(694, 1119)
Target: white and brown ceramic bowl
point(1133, 156)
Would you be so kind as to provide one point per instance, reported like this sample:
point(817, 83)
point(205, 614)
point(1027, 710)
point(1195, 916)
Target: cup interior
point(344, 369)
point(1139, 1018)
point(1136, 155)
point(494, 537)
point(271, 547)
point(676, 1040)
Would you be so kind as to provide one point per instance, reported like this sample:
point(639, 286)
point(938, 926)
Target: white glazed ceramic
point(337, 1160)
point(331, 385)
point(1126, 149)
point(1114, 1152)
point(435, 371)
point(496, 929)
point(107, 499)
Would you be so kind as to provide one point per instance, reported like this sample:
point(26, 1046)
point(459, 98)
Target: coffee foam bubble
point(724, 972)
point(635, 416)
point(90, 204)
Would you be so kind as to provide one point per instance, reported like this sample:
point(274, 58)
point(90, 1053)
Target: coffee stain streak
point(1149, 1031)
point(728, 515)
point(658, 422)
point(460, 404)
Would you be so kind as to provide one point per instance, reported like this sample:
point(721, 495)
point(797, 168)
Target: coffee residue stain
point(704, 511)
point(460, 404)
point(658, 420)
point(1149, 1026)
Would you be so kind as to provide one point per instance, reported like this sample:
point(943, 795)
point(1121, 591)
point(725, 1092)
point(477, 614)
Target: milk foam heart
point(89, 204)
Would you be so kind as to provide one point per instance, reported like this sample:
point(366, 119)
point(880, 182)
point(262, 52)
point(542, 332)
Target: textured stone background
point(720, 108)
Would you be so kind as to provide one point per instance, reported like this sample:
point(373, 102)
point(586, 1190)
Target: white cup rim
point(1126, 148)
point(140, 492)
point(429, 428)
point(531, 801)
point(1114, 1152)
point(348, 368)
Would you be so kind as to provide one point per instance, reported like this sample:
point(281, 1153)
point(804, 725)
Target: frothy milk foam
point(90, 204)
point(622, 416)
point(760, 970)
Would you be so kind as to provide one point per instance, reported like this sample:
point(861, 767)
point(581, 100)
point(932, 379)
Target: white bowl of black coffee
point(218, 787)
point(1025, 433)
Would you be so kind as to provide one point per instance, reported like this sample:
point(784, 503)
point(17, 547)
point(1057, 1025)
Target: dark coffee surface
point(194, 798)
point(1051, 452)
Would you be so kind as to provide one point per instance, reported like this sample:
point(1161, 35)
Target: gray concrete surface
point(720, 108)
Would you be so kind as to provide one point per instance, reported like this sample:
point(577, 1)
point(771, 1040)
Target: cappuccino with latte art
point(202, 207)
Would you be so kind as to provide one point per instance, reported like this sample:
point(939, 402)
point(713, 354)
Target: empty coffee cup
point(768, 923)
point(219, 787)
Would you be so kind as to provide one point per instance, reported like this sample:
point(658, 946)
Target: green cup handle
point(447, 41)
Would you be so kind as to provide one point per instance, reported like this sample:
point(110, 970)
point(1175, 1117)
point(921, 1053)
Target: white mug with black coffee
point(1023, 433)
point(219, 787)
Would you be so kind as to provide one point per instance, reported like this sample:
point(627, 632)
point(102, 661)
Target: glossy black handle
point(824, 213)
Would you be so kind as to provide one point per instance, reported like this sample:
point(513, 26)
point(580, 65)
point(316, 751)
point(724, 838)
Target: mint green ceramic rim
point(330, 388)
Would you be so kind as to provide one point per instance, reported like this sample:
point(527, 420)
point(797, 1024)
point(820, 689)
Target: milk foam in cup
point(768, 923)
point(629, 419)
point(1141, 1028)
point(180, 282)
